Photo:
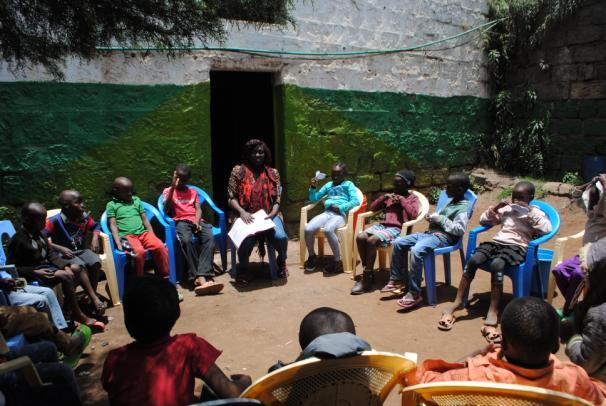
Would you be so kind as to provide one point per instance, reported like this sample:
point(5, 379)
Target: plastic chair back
point(485, 394)
point(6, 229)
point(470, 196)
point(363, 379)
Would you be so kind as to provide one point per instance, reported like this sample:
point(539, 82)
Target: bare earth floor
point(259, 325)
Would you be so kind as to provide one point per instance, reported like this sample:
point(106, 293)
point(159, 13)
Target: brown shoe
point(208, 288)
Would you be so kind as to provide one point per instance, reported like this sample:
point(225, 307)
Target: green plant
point(505, 193)
point(477, 188)
point(434, 194)
point(572, 178)
point(519, 138)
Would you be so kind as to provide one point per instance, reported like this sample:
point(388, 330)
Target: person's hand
point(335, 209)
point(243, 381)
point(602, 179)
point(175, 181)
point(46, 273)
point(64, 251)
point(247, 217)
point(94, 245)
point(197, 228)
point(432, 217)
point(119, 246)
point(8, 284)
point(313, 182)
point(567, 330)
point(500, 205)
point(427, 218)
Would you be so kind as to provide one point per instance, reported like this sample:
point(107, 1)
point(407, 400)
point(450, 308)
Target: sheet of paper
point(240, 230)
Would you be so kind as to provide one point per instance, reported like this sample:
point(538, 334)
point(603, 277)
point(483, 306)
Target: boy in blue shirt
point(342, 196)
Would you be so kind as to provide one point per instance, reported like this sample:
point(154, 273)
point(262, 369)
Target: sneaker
point(311, 263)
point(363, 284)
point(334, 268)
point(391, 286)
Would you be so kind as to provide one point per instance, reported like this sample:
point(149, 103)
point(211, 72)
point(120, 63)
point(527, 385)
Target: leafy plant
point(505, 193)
point(434, 194)
point(477, 188)
point(572, 178)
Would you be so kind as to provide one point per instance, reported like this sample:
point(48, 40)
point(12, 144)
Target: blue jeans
point(419, 244)
point(276, 236)
point(41, 298)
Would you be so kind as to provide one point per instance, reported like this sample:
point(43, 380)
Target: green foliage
point(434, 194)
point(505, 193)
point(477, 188)
point(572, 178)
point(519, 139)
point(47, 31)
point(10, 213)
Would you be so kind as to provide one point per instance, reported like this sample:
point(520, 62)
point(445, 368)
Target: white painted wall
point(454, 68)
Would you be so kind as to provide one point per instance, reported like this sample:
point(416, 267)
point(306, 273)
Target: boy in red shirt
point(166, 366)
point(183, 205)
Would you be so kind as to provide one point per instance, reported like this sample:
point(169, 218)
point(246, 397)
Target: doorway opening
point(241, 108)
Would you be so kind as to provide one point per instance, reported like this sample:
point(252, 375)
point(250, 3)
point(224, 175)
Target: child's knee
point(75, 269)
point(362, 237)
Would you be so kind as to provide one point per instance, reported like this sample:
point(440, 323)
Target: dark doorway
point(241, 108)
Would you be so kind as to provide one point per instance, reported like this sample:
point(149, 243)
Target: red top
point(397, 211)
point(183, 203)
point(157, 374)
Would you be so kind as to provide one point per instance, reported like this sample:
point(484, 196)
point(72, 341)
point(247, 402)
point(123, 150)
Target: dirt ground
point(259, 325)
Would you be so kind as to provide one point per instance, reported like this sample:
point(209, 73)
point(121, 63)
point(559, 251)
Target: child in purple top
point(399, 207)
point(520, 223)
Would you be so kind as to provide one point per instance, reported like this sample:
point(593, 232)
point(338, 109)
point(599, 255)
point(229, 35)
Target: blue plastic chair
point(537, 263)
point(430, 259)
point(220, 232)
point(6, 228)
point(121, 258)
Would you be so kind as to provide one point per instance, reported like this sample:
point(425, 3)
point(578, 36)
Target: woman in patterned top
point(255, 186)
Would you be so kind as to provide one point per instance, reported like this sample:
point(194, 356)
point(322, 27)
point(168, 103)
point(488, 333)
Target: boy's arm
point(223, 386)
point(113, 227)
point(540, 222)
point(456, 226)
point(353, 199)
point(410, 206)
point(168, 198)
point(198, 216)
point(378, 203)
point(95, 229)
point(146, 222)
point(315, 195)
point(490, 217)
point(587, 349)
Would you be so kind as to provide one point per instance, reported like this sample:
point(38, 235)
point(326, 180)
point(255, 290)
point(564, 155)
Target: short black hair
point(324, 320)
point(151, 308)
point(250, 146)
point(341, 166)
point(31, 208)
point(460, 179)
point(526, 188)
point(532, 327)
point(66, 197)
point(184, 169)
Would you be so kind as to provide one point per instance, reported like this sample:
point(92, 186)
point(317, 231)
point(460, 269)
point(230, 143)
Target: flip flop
point(491, 334)
point(208, 288)
point(86, 333)
point(408, 302)
point(96, 327)
point(446, 321)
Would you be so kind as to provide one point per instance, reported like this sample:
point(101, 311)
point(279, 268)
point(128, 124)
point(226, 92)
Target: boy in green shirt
point(127, 221)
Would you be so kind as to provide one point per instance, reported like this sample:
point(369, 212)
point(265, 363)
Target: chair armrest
point(472, 240)
point(214, 207)
point(560, 243)
point(25, 366)
point(308, 207)
point(367, 214)
point(576, 236)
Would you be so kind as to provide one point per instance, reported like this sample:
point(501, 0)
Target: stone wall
point(568, 73)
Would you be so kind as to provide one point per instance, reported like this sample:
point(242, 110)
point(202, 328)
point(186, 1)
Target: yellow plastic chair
point(485, 394)
point(385, 252)
point(558, 255)
point(23, 365)
point(107, 263)
point(345, 234)
point(365, 379)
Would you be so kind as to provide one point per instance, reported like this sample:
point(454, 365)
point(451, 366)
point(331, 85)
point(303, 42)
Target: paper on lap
point(240, 230)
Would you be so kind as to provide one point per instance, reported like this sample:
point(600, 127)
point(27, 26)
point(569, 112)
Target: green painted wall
point(65, 135)
point(61, 135)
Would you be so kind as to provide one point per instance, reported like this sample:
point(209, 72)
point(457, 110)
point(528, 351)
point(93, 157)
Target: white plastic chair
point(345, 234)
point(558, 255)
point(385, 252)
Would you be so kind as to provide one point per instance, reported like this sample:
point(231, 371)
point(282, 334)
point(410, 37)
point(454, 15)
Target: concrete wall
point(568, 73)
point(125, 113)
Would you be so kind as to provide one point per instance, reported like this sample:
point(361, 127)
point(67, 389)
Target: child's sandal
point(446, 321)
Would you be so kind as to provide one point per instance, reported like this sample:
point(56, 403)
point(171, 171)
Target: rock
point(557, 188)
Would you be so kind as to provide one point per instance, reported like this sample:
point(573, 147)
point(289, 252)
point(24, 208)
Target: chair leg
point(302, 250)
point(273, 263)
point(223, 251)
point(120, 264)
point(382, 258)
point(446, 259)
point(320, 246)
point(234, 257)
point(551, 288)
point(430, 278)
point(112, 283)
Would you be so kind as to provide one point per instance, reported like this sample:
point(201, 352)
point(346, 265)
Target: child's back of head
point(151, 308)
point(324, 320)
point(531, 331)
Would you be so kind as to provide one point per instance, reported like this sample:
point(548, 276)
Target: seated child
point(587, 347)
point(400, 207)
point(342, 197)
point(327, 333)
point(127, 220)
point(29, 251)
point(183, 205)
point(61, 387)
point(445, 228)
point(520, 223)
point(67, 231)
point(530, 329)
point(166, 366)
